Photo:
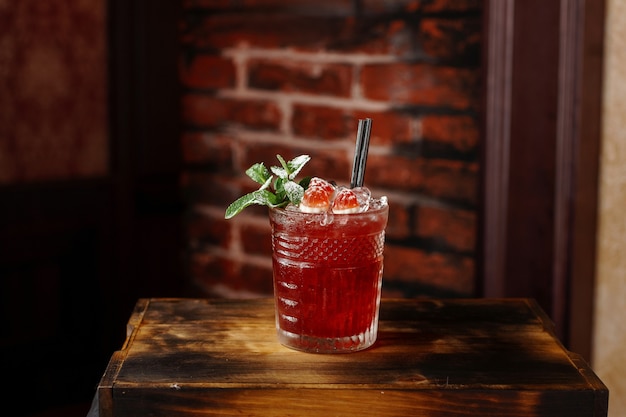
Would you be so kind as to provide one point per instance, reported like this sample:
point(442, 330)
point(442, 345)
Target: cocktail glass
point(328, 272)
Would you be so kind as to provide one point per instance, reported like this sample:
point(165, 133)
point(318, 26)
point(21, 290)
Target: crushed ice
point(364, 198)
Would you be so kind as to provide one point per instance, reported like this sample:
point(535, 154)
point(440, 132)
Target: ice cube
point(327, 218)
point(363, 196)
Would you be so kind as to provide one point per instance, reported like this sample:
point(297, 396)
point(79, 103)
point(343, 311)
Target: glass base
point(311, 344)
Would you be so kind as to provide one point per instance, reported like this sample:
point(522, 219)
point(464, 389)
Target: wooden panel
point(543, 74)
point(184, 357)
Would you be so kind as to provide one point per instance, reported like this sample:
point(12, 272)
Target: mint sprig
point(278, 193)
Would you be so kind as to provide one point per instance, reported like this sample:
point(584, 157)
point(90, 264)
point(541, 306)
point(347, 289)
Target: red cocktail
point(328, 243)
point(327, 277)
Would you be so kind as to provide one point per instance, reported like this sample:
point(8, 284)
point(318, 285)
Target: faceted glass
point(327, 278)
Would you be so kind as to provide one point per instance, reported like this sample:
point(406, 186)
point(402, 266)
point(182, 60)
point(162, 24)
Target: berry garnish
point(279, 189)
point(323, 184)
point(345, 202)
point(316, 199)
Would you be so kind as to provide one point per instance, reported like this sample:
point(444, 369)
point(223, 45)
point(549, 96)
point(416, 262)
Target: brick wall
point(291, 77)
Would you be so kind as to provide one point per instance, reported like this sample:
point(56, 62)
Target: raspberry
point(345, 202)
point(315, 200)
point(325, 185)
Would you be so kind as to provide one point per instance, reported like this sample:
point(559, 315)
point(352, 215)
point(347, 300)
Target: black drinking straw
point(360, 152)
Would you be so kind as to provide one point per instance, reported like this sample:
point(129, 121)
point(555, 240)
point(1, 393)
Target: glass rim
point(368, 212)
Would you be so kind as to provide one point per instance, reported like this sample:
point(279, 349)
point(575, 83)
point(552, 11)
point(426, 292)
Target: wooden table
point(470, 357)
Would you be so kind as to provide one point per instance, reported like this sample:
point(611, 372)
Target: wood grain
point(190, 357)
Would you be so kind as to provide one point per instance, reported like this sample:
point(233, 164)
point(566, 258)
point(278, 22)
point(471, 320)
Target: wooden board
point(473, 357)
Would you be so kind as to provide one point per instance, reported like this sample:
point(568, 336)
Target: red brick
point(211, 189)
point(256, 239)
point(329, 164)
point(420, 6)
point(382, 27)
point(398, 38)
point(208, 72)
point(339, 6)
point(212, 150)
point(459, 132)
point(333, 165)
point(202, 110)
point(440, 39)
point(388, 127)
point(451, 40)
point(294, 6)
point(452, 181)
point(255, 279)
point(377, 35)
point(266, 153)
point(320, 122)
point(219, 276)
point(431, 6)
point(205, 230)
point(267, 30)
point(256, 114)
point(387, 7)
point(454, 228)
point(400, 35)
point(446, 271)
point(392, 128)
point(211, 112)
point(208, 269)
point(398, 224)
point(421, 84)
point(212, 4)
point(321, 79)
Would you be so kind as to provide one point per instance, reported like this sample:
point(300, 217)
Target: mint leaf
point(304, 182)
point(261, 197)
point(267, 183)
point(283, 163)
point(279, 187)
point(294, 192)
point(280, 172)
point(295, 165)
point(292, 168)
point(259, 173)
point(285, 191)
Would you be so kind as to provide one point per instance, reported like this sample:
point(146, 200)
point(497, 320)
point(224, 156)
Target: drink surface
point(327, 278)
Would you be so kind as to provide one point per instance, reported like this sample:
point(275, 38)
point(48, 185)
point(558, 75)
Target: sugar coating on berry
point(323, 184)
point(345, 202)
point(315, 200)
